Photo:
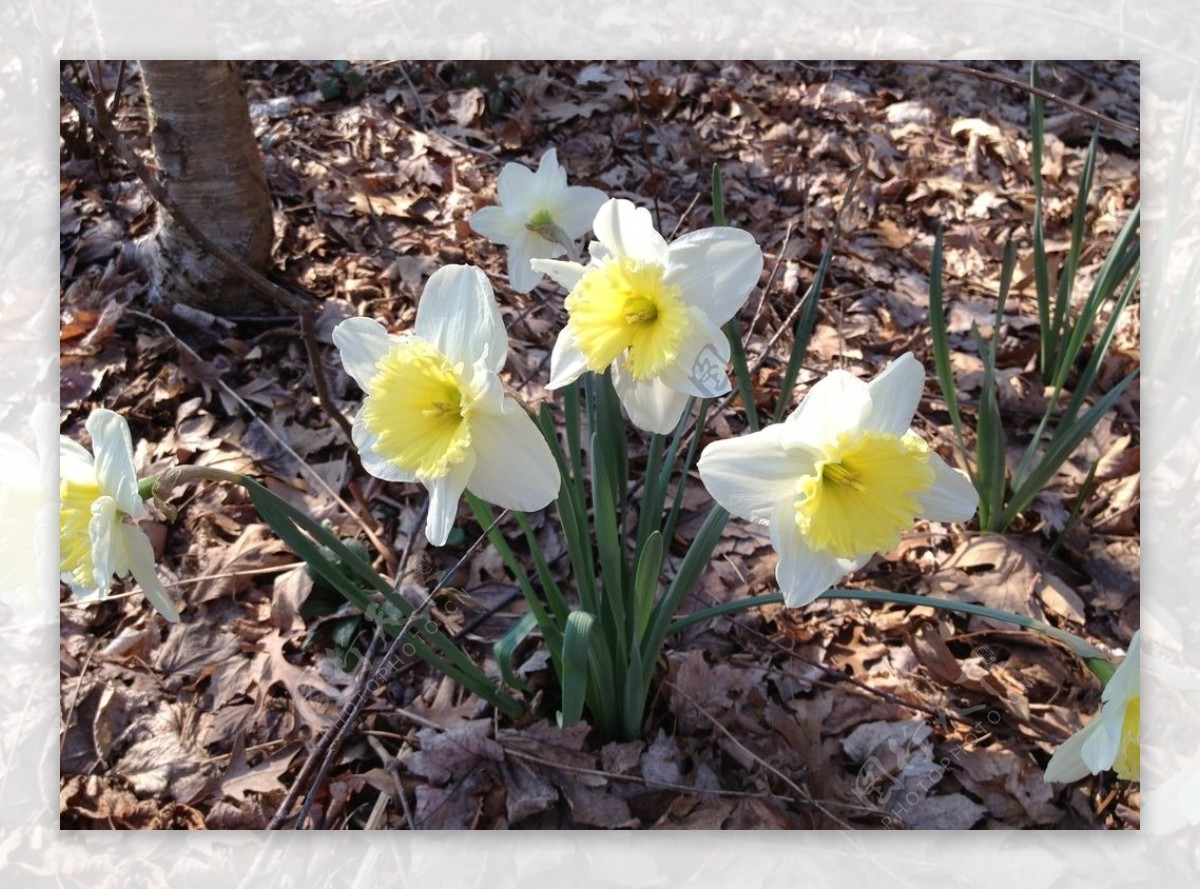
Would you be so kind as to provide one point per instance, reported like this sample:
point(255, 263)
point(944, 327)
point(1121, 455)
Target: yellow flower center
point(864, 493)
point(1128, 762)
point(419, 409)
point(75, 541)
point(624, 304)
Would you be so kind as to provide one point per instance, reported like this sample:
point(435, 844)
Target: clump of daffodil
point(435, 411)
point(652, 311)
point(840, 479)
point(537, 211)
point(1113, 739)
point(98, 505)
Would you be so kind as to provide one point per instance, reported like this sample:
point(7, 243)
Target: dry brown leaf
point(449, 754)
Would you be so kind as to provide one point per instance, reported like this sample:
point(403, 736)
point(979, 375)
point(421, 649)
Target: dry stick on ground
point(336, 734)
point(326, 743)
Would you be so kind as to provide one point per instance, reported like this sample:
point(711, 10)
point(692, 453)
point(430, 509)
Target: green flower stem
point(1080, 647)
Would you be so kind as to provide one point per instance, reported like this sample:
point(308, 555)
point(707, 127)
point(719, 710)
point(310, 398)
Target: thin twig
point(766, 288)
point(391, 763)
point(364, 673)
point(331, 741)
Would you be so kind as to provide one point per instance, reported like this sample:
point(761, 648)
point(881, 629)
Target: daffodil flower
point(840, 479)
point(98, 505)
point(27, 507)
point(652, 311)
point(532, 206)
point(1113, 739)
point(435, 411)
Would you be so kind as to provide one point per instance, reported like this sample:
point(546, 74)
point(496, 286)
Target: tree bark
point(210, 165)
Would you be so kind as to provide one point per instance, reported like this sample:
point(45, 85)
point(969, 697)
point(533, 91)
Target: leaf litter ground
point(840, 715)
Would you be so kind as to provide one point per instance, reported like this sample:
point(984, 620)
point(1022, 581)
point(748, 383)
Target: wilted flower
point(1113, 739)
point(98, 504)
point(532, 205)
point(652, 311)
point(435, 411)
point(840, 479)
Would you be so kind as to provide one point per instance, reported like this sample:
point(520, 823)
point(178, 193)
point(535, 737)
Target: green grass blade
point(1066, 281)
point(1060, 448)
point(668, 529)
point(505, 648)
point(612, 611)
point(1007, 265)
point(554, 595)
point(291, 526)
point(572, 519)
point(645, 583)
point(576, 645)
point(1091, 371)
point(733, 330)
point(1041, 267)
point(633, 699)
point(689, 573)
point(485, 517)
point(653, 494)
point(1125, 253)
point(990, 440)
point(941, 346)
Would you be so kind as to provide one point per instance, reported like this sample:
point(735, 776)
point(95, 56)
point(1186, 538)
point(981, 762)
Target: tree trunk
point(210, 165)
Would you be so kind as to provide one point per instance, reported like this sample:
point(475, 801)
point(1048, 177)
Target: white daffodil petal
point(458, 314)
point(522, 277)
point(104, 560)
point(550, 178)
point(496, 224)
point(895, 393)
point(952, 498)
point(1104, 741)
point(514, 184)
point(564, 272)
point(802, 573)
point(567, 363)
point(76, 459)
point(628, 231)
point(365, 441)
point(444, 495)
point(835, 404)
point(717, 268)
point(749, 475)
point(1067, 763)
point(651, 404)
point(361, 343)
point(1126, 679)
point(140, 555)
point(703, 354)
point(576, 209)
point(113, 450)
point(513, 464)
